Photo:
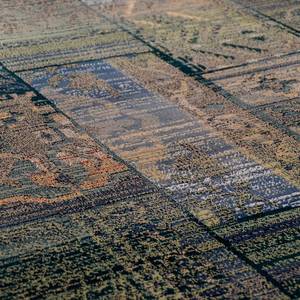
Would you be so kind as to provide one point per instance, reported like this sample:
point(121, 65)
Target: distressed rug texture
point(149, 149)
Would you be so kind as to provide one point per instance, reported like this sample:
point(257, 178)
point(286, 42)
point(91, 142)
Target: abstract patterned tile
point(272, 242)
point(48, 165)
point(208, 34)
point(268, 88)
point(144, 249)
point(28, 19)
point(284, 11)
point(89, 45)
point(66, 31)
point(263, 82)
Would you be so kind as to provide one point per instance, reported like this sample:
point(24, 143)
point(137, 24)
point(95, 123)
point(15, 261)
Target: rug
point(149, 149)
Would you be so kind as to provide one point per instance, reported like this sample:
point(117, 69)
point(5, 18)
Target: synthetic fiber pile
point(149, 149)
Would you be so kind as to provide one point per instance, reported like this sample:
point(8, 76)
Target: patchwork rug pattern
point(149, 149)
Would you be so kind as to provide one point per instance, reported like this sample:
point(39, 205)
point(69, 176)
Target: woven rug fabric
point(149, 149)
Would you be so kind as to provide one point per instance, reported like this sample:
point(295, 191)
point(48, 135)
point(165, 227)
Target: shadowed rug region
point(149, 149)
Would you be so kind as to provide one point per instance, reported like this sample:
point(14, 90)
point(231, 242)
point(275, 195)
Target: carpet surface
point(149, 149)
